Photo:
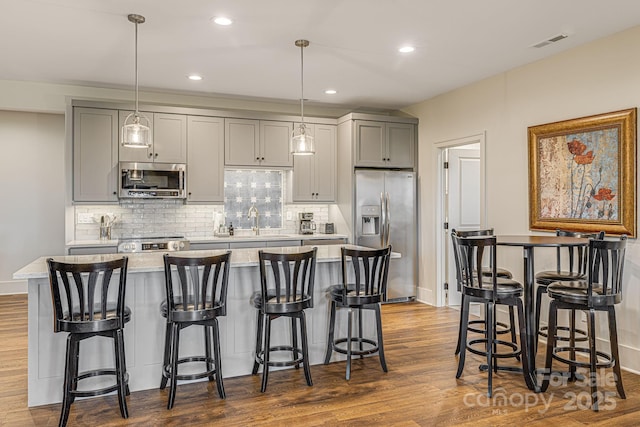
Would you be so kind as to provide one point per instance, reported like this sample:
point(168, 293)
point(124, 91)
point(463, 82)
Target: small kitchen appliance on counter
point(307, 226)
point(326, 228)
point(151, 244)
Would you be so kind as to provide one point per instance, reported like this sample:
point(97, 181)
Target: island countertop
point(152, 261)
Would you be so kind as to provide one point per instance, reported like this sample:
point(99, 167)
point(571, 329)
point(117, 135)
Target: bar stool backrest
point(365, 275)
point(576, 257)
point(465, 233)
point(287, 280)
point(196, 287)
point(86, 296)
point(473, 253)
point(605, 268)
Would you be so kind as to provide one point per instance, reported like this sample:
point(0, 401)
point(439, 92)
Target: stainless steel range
point(151, 244)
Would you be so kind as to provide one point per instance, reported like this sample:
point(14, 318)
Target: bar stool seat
point(85, 306)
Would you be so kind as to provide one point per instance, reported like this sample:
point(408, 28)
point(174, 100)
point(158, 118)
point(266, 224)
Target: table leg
point(529, 356)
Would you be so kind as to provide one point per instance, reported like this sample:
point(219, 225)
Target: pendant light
point(135, 129)
point(301, 142)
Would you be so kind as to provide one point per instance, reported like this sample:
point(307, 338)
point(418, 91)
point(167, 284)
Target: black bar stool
point(473, 254)
point(196, 291)
point(363, 287)
point(286, 282)
point(478, 325)
point(571, 265)
point(85, 306)
point(601, 291)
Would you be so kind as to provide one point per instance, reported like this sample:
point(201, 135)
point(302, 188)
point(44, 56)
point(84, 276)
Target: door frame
point(440, 232)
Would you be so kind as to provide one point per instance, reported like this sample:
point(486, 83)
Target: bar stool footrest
point(282, 363)
point(166, 371)
point(357, 352)
point(583, 334)
point(608, 363)
point(100, 391)
point(517, 351)
point(501, 328)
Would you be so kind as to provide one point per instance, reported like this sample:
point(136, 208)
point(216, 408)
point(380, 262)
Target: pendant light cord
point(302, 82)
point(136, 65)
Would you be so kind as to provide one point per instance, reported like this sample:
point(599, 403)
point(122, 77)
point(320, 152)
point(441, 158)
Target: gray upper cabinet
point(95, 155)
point(168, 136)
point(314, 177)
point(205, 166)
point(382, 144)
point(252, 143)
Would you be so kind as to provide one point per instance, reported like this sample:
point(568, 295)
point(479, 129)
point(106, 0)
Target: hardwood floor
point(420, 388)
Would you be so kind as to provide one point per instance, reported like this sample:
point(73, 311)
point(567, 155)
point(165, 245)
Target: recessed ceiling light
point(222, 20)
point(406, 49)
point(195, 77)
point(330, 91)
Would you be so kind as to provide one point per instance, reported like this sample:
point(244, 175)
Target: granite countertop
point(96, 243)
point(153, 262)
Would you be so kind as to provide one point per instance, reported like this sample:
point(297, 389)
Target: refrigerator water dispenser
point(370, 220)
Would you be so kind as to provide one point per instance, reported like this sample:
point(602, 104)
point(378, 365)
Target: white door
point(463, 204)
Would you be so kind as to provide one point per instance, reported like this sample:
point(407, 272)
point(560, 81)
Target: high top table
point(528, 243)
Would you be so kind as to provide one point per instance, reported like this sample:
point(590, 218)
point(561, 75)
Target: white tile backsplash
point(151, 217)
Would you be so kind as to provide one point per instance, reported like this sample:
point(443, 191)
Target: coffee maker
point(307, 226)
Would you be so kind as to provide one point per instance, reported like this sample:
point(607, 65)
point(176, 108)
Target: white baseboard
point(13, 287)
point(426, 296)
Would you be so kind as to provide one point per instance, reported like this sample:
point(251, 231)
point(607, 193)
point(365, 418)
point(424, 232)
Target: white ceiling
point(353, 44)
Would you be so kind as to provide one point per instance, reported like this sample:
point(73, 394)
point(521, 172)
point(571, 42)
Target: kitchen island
point(144, 334)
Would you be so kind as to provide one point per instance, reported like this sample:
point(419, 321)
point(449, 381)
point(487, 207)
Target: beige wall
point(32, 178)
point(595, 78)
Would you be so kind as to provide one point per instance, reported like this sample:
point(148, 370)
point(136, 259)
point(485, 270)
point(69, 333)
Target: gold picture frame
point(582, 174)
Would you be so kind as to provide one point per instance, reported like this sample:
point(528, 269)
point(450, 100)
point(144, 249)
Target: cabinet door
point(370, 143)
point(241, 139)
point(128, 154)
point(400, 145)
point(303, 185)
point(274, 144)
point(95, 155)
point(325, 163)
point(170, 138)
point(205, 166)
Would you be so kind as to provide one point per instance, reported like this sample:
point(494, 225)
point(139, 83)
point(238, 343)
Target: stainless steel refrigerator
point(386, 213)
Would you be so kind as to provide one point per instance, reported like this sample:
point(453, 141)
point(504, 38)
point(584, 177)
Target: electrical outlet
point(289, 215)
point(85, 218)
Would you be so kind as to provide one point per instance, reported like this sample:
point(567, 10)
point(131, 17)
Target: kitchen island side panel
point(144, 334)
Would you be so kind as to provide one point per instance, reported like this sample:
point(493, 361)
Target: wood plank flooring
point(420, 388)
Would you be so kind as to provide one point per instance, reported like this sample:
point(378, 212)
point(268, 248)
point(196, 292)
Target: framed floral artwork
point(582, 174)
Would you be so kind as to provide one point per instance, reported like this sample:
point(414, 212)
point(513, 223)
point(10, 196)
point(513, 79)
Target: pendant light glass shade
point(302, 143)
point(135, 129)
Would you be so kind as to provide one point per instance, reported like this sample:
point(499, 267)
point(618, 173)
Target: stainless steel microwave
point(152, 180)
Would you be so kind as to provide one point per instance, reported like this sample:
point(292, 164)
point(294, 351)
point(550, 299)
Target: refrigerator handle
point(383, 220)
point(387, 220)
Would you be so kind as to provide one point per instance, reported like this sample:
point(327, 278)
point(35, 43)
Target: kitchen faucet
point(253, 212)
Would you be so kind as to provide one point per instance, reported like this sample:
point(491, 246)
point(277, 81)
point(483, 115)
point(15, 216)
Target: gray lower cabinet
point(95, 155)
point(208, 246)
point(83, 250)
point(282, 243)
point(263, 143)
point(205, 166)
point(314, 177)
point(318, 242)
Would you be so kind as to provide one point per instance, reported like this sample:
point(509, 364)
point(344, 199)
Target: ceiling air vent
point(550, 40)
